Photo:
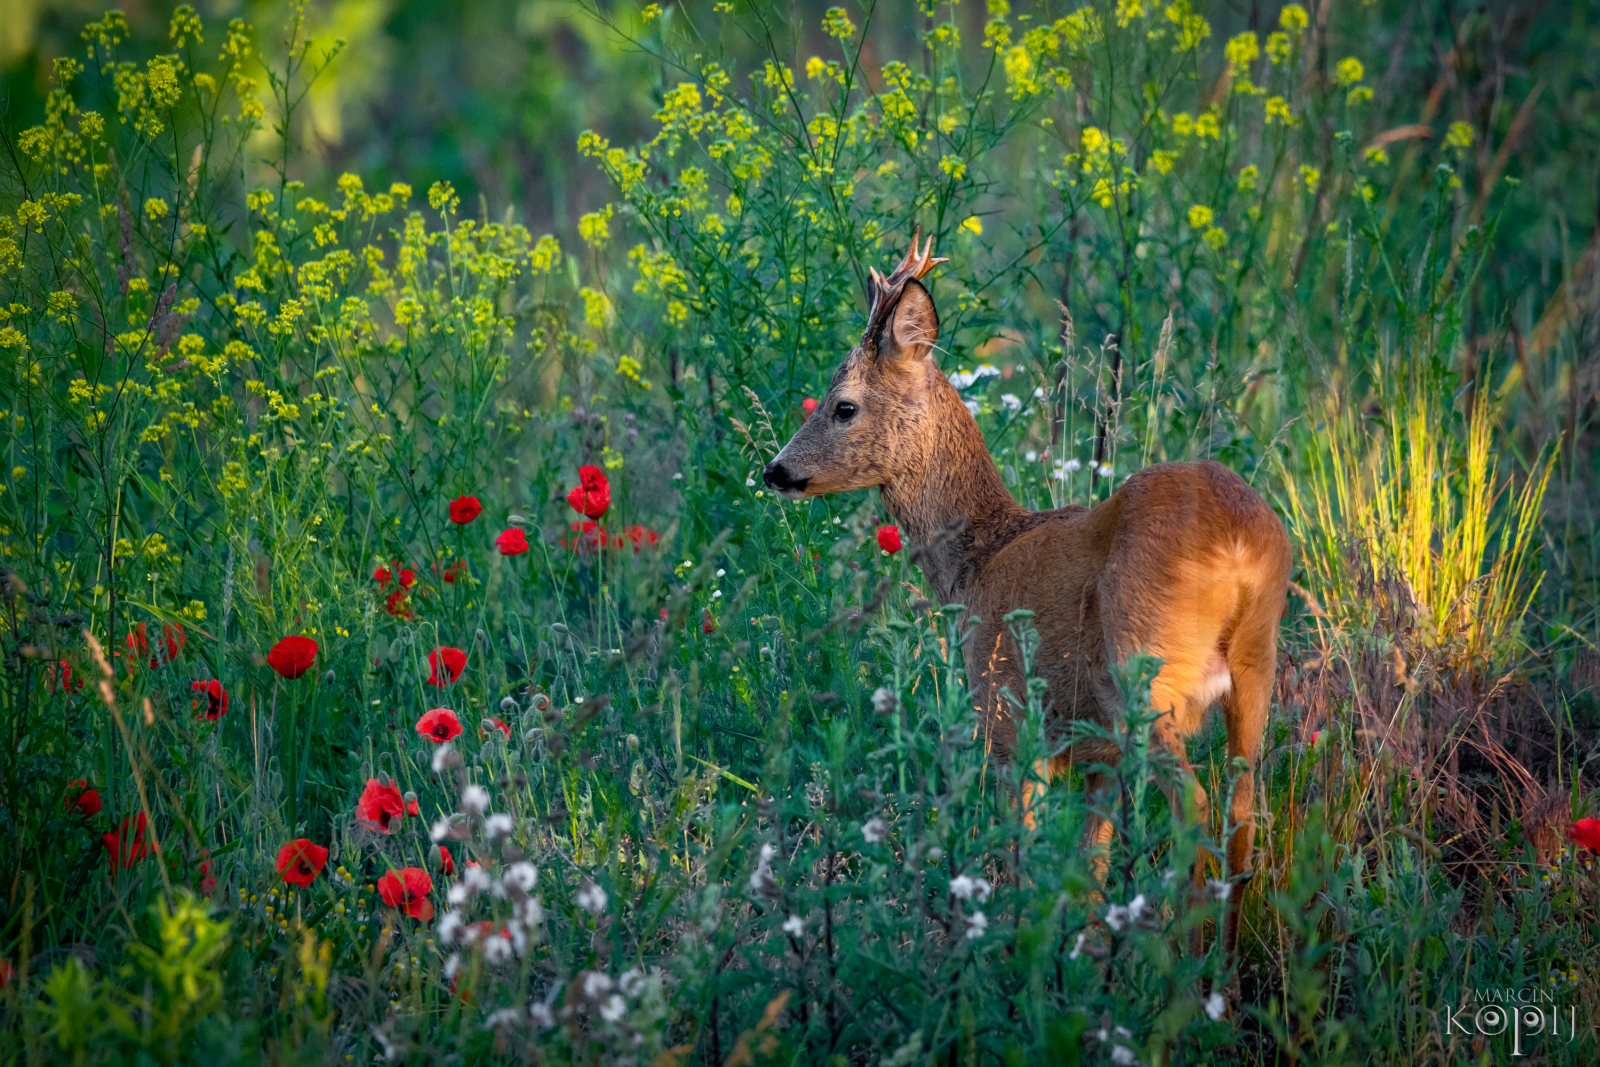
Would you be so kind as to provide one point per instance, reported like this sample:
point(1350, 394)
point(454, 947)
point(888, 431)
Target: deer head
point(871, 425)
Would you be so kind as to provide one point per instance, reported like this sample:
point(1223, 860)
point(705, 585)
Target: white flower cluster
point(761, 880)
point(499, 941)
point(1137, 912)
point(965, 379)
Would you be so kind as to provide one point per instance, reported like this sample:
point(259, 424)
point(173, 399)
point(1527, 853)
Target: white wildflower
point(540, 1015)
point(974, 407)
point(875, 830)
point(1038, 392)
point(459, 894)
point(1136, 908)
point(441, 757)
point(439, 831)
point(632, 981)
point(1215, 1006)
point(1104, 470)
point(1218, 890)
point(613, 1009)
point(498, 825)
point(963, 379)
point(523, 876)
point(501, 1018)
point(529, 912)
point(1122, 1054)
point(1010, 402)
point(474, 800)
point(961, 886)
point(476, 877)
point(761, 880)
point(1117, 917)
point(452, 966)
point(596, 984)
point(977, 923)
point(450, 926)
point(883, 700)
point(496, 950)
point(1031, 456)
point(591, 898)
point(794, 926)
point(519, 936)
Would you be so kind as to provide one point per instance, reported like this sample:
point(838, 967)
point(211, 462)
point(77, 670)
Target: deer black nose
point(777, 476)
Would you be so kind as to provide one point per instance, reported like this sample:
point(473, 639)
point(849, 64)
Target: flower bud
point(327, 679)
point(633, 744)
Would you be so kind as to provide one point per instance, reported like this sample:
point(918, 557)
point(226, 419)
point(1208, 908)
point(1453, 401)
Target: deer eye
point(844, 411)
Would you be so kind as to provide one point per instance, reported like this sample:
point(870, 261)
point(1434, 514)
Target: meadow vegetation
point(403, 661)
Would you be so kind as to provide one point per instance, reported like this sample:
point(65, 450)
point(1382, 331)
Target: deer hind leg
point(1184, 690)
point(1097, 829)
point(1252, 663)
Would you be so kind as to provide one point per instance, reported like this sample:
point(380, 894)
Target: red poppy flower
point(408, 889)
point(299, 861)
point(809, 406)
point(397, 604)
point(439, 725)
point(463, 509)
point(498, 725)
point(382, 576)
point(453, 571)
point(127, 845)
point(641, 537)
point(1586, 832)
point(708, 622)
point(82, 799)
point(411, 806)
point(512, 542)
point(293, 656)
point(889, 538)
point(216, 698)
point(447, 862)
point(381, 807)
point(454, 661)
point(593, 495)
point(207, 883)
point(588, 538)
point(166, 648)
point(59, 678)
point(408, 577)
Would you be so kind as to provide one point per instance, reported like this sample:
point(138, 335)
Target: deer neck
point(952, 486)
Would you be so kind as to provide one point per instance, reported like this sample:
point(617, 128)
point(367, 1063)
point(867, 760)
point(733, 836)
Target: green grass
point(737, 746)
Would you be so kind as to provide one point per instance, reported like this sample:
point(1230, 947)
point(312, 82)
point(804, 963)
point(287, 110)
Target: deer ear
point(914, 327)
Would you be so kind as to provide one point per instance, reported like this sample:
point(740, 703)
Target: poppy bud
point(327, 679)
point(509, 705)
point(481, 636)
point(541, 702)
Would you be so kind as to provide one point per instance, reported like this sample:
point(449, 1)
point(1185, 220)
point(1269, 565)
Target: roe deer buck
point(1184, 561)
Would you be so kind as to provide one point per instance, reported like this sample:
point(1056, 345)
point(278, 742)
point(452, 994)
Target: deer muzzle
point(781, 481)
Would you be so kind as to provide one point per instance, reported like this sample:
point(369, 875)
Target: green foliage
point(720, 781)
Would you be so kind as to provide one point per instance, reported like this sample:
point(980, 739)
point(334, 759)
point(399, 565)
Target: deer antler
point(883, 293)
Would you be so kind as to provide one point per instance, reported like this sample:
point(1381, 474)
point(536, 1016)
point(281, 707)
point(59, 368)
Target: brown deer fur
point(1184, 561)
